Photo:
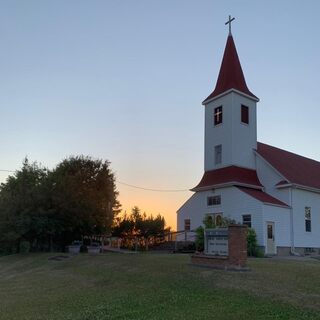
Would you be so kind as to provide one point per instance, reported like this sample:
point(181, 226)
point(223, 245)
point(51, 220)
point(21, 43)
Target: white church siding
point(244, 136)
point(269, 178)
point(281, 219)
point(216, 135)
point(234, 204)
point(300, 200)
point(237, 139)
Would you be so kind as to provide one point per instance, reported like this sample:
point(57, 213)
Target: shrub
point(200, 239)
point(252, 244)
point(24, 247)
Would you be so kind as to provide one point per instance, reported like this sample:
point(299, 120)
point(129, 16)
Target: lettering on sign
point(216, 241)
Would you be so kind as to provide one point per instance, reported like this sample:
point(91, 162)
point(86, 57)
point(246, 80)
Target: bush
point(24, 247)
point(200, 239)
point(252, 244)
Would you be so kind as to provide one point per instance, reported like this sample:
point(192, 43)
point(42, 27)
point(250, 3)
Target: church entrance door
point(271, 248)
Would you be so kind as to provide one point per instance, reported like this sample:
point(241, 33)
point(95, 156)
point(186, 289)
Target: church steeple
point(231, 74)
point(230, 116)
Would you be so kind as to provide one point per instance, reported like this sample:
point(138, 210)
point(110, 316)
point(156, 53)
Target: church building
point(273, 191)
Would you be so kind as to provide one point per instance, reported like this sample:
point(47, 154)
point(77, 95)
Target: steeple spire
point(231, 74)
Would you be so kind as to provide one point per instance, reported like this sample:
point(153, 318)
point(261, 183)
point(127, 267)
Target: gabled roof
point(228, 175)
point(263, 197)
point(294, 168)
point(230, 75)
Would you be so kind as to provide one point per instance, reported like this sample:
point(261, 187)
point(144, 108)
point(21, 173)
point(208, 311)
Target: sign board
point(216, 241)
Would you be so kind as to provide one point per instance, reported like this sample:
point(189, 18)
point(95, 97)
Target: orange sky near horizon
point(150, 202)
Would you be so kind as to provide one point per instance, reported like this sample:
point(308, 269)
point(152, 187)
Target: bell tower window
point(217, 115)
point(244, 114)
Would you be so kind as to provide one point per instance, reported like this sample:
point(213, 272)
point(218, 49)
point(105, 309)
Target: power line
point(150, 189)
point(131, 185)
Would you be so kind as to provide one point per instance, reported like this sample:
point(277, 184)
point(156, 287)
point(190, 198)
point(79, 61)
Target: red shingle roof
point(294, 168)
point(262, 196)
point(232, 174)
point(230, 75)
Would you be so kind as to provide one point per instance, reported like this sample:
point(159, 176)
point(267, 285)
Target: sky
point(124, 80)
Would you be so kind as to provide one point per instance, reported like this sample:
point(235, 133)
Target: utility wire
point(131, 185)
point(150, 189)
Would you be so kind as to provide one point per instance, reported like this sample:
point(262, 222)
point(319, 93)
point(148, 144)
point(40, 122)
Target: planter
point(93, 250)
point(74, 249)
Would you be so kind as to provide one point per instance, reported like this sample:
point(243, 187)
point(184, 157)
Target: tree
point(21, 204)
point(84, 196)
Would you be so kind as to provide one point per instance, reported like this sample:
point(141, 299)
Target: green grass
point(154, 286)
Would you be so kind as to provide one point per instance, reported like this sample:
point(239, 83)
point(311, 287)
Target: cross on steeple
point(229, 23)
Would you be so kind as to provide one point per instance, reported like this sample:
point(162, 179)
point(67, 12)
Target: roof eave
point(226, 184)
point(206, 101)
point(283, 186)
point(307, 188)
point(298, 186)
point(276, 205)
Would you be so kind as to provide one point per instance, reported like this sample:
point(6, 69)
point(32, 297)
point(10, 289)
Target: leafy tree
point(21, 202)
point(84, 196)
point(123, 227)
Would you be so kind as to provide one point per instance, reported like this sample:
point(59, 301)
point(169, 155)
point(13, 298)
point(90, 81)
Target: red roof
point(232, 174)
point(282, 183)
point(230, 75)
point(262, 196)
point(294, 168)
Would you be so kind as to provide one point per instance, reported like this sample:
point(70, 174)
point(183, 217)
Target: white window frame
point(215, 204)
point(247, 214)
point(307, 217)
point(217, 154)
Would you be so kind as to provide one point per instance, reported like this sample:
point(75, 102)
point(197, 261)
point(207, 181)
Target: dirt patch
point(58, 258)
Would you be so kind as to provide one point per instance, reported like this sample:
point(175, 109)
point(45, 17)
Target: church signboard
point(216, 241)
point(224, 248)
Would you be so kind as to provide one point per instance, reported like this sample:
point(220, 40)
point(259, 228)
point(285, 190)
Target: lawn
point(154, 286)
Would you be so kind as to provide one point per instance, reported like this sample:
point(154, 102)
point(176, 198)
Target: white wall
point(269, 178)
point(237, 139)
point(281, 218)
point(220, 134)
point(234, 204)
point(300, 200)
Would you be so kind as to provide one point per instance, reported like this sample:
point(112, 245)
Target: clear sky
point(124, 81)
